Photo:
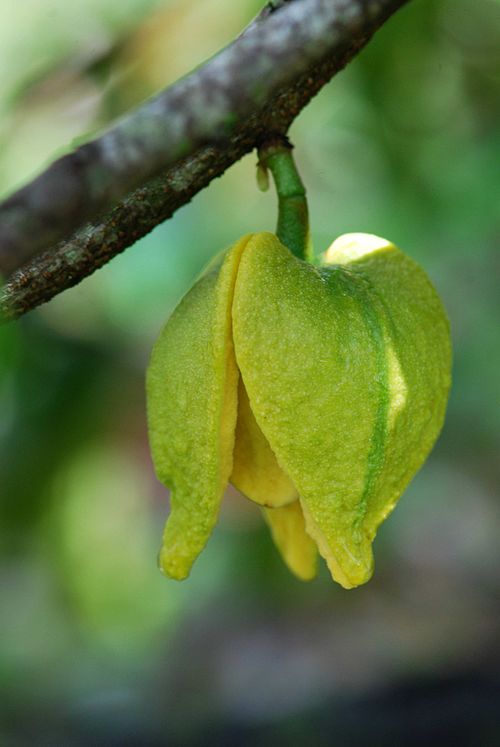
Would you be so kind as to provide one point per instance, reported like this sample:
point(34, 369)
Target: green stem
point(293, 216)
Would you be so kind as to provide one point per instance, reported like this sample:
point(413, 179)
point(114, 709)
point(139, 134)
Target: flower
point(318, 391)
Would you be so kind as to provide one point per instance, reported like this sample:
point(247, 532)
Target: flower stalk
point(292, 230)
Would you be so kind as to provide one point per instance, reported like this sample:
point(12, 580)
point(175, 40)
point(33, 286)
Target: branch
point(209, 119)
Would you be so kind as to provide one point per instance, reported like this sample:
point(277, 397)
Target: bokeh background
point(96, 647)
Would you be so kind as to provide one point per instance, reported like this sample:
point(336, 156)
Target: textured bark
point(174, 145)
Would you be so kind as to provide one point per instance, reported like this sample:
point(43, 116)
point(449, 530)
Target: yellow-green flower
point(318, 391)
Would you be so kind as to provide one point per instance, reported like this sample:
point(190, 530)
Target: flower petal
point(418, 361)
point(326, 357)
point(192, 404)
point(290, 537)
point(256, 473)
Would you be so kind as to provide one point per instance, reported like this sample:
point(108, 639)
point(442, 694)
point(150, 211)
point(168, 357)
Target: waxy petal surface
point(324, 357)
point(192, 406)
point(418, 360)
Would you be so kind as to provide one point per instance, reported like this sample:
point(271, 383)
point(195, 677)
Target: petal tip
point(302, 575)
point(355, 571)
point(172, 567)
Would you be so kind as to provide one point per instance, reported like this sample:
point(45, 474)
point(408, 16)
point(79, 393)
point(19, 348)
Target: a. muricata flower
point(318, 391)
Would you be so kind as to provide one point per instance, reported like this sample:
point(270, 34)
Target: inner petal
point(289, 533)
point(256, 473)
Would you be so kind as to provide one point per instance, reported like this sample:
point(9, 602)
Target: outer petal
point(290, 537)
point(256, 473)
point(417, 361)
point(328, 389)
point(192, 403)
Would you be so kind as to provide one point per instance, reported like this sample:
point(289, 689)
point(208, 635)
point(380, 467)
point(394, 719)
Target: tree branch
point(210, 119)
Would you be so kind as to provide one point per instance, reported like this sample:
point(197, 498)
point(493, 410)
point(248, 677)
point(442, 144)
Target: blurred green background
point(96, 647)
